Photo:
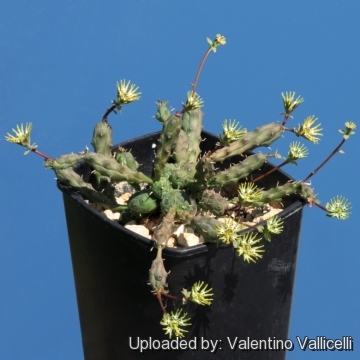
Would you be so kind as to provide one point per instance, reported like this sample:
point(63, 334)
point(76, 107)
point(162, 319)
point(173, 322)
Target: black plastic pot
point(111, 263)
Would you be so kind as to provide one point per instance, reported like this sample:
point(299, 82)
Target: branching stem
point(158, 295)
point(162, 293)
point(170, 296)
point(286, 118)
point(289, 129)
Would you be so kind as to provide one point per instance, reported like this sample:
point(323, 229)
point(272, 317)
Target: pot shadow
point(200, 314)
point(201, 271)
point(284, 286)
point(202, 318)
point(283, 280)
point(230, 281)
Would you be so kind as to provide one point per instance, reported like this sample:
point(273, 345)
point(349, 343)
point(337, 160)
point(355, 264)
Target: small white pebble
point(139, 229)
point(187, 239)
point(178, 229)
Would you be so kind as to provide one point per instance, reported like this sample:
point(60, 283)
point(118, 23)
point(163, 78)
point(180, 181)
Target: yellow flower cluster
point(173, 322)
point(127, 92)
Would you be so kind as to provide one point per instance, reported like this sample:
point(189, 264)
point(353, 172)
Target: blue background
point(59, 64)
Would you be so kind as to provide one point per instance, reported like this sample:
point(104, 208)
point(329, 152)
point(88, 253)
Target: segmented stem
point(270, 171)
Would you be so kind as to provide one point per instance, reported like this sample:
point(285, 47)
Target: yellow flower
point(349, 127)
point(231, 131)
point(297, 151)
point(275, 225)
point(244, 247)
point(228, 230)
point(125, 94)
point(338, 207)
point(173, 322)
point(220, 39)
point(200, 294)
point(193, 101)
point(22, 136)
point(307, 131)
point(248, 193)
point(289, 103)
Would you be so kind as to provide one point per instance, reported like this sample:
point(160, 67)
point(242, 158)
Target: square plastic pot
point(117, 309)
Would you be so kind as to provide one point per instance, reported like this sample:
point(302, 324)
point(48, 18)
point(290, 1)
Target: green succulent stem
point(263, 136)
point(157, 273)
point(270, 171)
point(159, 292)
point(188, 187)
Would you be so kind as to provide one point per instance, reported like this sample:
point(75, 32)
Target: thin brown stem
point(286, 118)
point(158, 295)
point(248, 226)
point(270, 171)
point(193, 86)
point(230, 210)
point(170, 296)
point(289, 129)
point(37, 152)
point(108, 111)
point(199, 71)
point(325, 161)
point(320, 206)
point(162, 293)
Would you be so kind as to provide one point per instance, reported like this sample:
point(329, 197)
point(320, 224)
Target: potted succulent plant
point(166, 192)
